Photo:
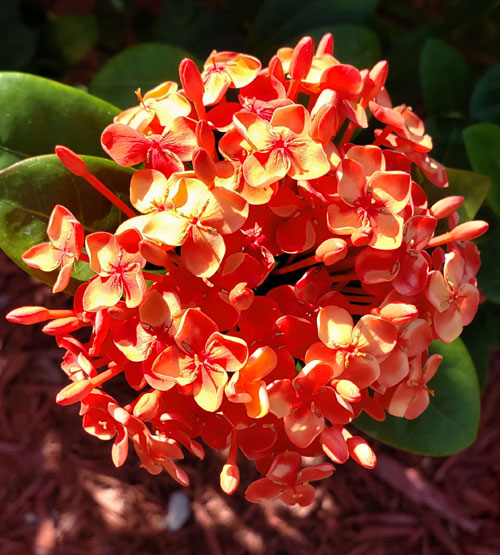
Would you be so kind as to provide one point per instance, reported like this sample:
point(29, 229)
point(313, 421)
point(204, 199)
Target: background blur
point(59, 492)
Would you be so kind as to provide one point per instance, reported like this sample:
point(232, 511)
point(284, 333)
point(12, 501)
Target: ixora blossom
point(273, 279)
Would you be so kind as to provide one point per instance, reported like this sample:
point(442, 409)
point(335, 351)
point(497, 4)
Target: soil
point(61, 494)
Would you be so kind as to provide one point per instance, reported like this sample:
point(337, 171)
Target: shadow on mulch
point(60, 493)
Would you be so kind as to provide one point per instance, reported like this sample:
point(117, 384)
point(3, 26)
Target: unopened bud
point(325, 45)
point(331, 251)
point(241, 296)
point(204, 166)
point(74, 392)
point(302, 58)
point(334, 445)
point(147, 405)
point(397, 313)
point(446, 206)
point(63, 326)
point(229, 478)
point(325, 123)
point(71, 161)
point(276, 69)
point(469, 230)
point(27, 315)
point(348, 390)
point(191, 80)
point(361, 452)
point(205, 136)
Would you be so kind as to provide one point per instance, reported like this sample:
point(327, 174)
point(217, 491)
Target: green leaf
point(143, 66)
point(17, 40)
point(354, 44)
point(482, 142)
point(448, 144)
point(485, 99)
point(489, 276)
point(472, 186)
point(73, 36)
point(451, 421)
point(279, 21)
point(481, 335)
point(36, 114)
point(444, 79)
point(29, 191)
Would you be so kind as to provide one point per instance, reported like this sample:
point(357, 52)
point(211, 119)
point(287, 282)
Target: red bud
point(71, 161)
point(302, 58)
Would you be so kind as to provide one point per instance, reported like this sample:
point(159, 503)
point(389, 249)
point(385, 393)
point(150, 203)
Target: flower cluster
point(274, 280)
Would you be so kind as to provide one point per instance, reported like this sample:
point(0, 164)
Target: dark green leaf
point(485, 99)
point(444, 79)
point(354, 44)
point(36, 114)
point(143, 66)
point(450, 422)
point(17, 40)
point(472, 186)
point(73, 36)
point(448, 145)
point(481, 335)
point(279, 21)
point(489, 276)
point(29, 191)
point(482, 142)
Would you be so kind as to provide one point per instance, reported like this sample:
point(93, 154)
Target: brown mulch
point(60, 494)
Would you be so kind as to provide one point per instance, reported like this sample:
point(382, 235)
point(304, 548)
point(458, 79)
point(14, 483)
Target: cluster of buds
point(274, 279)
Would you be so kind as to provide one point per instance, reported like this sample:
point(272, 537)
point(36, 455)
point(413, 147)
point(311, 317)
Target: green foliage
point(485, 100)
point(451, 421)
point(482, 142)
point(29, 191)
point(279, 21)
point(143, 66)
point(444, 79)
point(72, 37)
point(37, 114)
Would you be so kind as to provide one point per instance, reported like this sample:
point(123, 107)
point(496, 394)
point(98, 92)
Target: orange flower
point(198, 225)
point(118, 263)
point(66, 242)
point(281, 147)
point(201, 358)
point(354, 352)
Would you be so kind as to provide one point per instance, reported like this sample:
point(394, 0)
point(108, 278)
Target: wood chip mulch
point(60, 493)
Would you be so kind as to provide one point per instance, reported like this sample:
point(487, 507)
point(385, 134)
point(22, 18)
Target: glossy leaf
point(451, 421)
point(480, 336)
point(29, 191)
point(485, 99)
point(444, 79)
point(489, 276)
point(482, 142)
point(472, 186)
point(143, 66)
point(36, 114)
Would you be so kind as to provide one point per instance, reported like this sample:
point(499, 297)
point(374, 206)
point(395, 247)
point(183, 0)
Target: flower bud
point(241, 296)
point(469, 230)
point(74, 392)
point(334, 445)
point(191, 80)
point(63, 326)
point(147, 405)
point(302, 58)
point(276, 69)
point(71, 161)
point(27, 315)
point(205, 136)
point(446, 206)
point(325, 45)
point(229, 478)
point(204, 166)
point(331, 251)
point(348, 390)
